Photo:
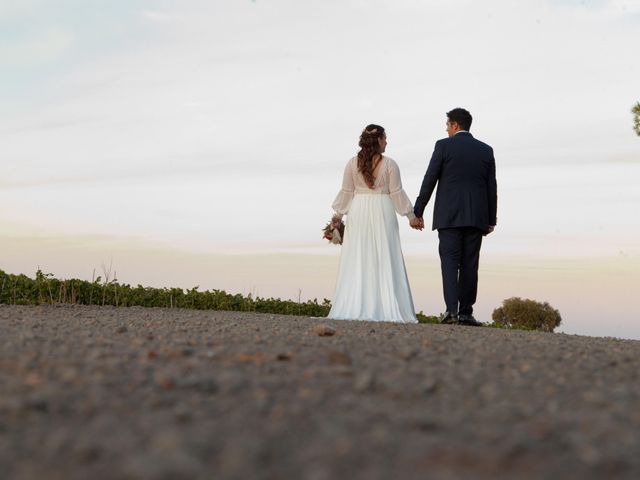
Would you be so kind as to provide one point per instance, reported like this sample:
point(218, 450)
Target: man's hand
point(490, 229)
point(417, 223)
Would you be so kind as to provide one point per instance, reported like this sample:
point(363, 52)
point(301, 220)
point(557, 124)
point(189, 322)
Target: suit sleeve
point(430, 179)
point(492, 192)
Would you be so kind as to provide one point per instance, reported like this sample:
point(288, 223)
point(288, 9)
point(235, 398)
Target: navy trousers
point(459, 260)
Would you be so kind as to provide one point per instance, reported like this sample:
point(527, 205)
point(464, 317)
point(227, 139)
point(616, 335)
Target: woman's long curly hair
point(369, 153)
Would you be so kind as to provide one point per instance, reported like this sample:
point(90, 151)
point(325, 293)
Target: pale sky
point(221, 128)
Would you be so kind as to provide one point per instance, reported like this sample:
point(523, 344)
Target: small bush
point(526, 314)
point(422, 318)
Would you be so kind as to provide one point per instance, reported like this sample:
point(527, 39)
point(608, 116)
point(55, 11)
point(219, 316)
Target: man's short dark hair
point(462, 117)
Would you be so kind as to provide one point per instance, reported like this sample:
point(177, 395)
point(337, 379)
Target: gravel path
point(135, 393)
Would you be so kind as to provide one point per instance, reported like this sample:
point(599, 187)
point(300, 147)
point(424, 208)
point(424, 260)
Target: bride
point(372, 279)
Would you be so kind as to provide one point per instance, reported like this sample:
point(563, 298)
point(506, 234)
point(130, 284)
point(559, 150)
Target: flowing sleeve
point(343, 200)
point(399, 197)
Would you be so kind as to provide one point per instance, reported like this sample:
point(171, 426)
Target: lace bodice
point(387, 183)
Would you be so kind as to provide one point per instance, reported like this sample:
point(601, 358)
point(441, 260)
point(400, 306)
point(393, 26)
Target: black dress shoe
point(449, 319)
point(468, 320)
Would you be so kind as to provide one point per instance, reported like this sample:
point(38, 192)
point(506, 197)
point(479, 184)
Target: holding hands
point(417, 223)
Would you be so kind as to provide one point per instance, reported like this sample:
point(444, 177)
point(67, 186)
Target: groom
point(465, 211)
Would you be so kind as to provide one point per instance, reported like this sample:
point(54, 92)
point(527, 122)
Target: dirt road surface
point(136, 393)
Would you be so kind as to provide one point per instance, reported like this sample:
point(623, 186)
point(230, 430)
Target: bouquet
point(334, 231)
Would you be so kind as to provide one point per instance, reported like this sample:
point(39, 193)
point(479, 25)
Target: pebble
point(339, 358)
point(364, 381)
point(408, 353)
point(429, 386)
point(323, 330)
point(200, 383)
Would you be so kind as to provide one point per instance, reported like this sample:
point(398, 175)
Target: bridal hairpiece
point(370, 132)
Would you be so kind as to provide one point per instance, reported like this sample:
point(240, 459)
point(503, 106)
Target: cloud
point(259, 104)
point(621, 7)
point(36, 49)
point(599, 10)
point(156, 16)
point(18, 9)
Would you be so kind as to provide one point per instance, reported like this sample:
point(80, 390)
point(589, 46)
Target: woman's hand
point(417, 223)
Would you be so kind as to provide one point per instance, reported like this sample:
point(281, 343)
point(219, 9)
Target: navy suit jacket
point(465, 170)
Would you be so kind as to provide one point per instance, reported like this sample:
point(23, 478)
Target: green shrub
point(422, 318)
point(526, 314)
point(44, 289)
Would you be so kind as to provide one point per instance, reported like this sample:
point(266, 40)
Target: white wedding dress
point(372, 280)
